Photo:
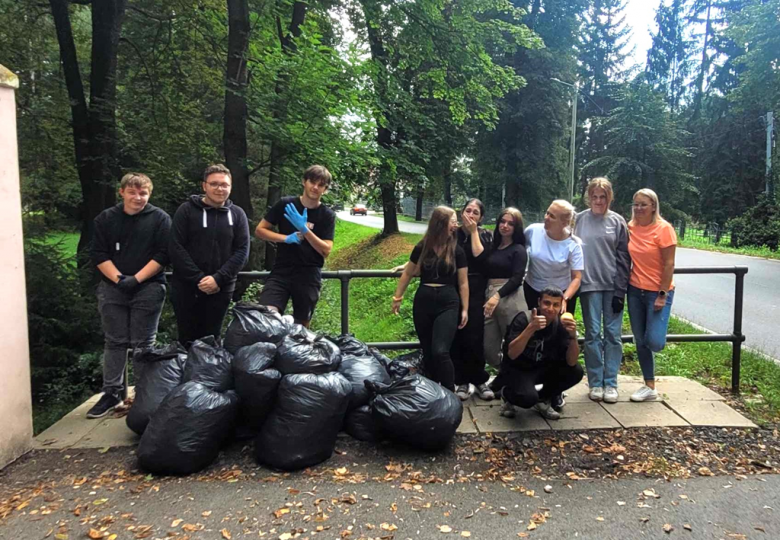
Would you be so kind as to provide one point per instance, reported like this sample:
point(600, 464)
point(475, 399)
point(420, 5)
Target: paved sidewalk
point(683, 403)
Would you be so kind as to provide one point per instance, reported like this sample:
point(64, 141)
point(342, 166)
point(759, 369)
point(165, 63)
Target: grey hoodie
point(605, 249)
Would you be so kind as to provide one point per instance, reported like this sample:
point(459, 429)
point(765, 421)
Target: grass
point(704, 244)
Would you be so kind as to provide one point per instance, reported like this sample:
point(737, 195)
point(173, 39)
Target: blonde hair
point(568, 212)
point(650, 194)
point(601, 182)
point(136, 180)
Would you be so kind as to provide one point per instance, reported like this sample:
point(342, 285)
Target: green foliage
point(759, 226)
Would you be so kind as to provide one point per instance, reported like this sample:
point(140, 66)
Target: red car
point(358, 209)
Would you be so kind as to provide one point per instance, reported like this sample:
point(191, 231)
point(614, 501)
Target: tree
point(668, 60)
point(94, 123)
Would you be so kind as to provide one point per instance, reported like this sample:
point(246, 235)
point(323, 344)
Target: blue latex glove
point(298, 220)
point(293, 239)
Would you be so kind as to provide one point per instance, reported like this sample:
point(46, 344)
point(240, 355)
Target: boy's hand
point(294, 238)
point(298, 220)
point(537, 322)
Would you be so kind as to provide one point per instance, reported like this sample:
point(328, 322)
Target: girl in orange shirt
point(651, 243)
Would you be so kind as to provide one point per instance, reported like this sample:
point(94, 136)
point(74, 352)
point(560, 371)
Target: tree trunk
point(236, 83)
point(419, 206)
point(447, 179)
point(94, 126)
point(278, 152)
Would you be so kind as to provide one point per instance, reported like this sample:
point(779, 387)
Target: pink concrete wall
point(15, 399)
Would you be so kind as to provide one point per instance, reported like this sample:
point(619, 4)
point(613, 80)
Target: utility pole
point(770, 124)
point(573, 142)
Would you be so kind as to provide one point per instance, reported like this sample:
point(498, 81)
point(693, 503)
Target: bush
point(759, 226)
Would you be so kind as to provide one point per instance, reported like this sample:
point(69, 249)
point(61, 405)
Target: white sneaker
point(596, 393)
point(644, 394)
point(610, 395)
point(463, 391)
point(545, 409)
point(485, 393)
point(507, 409)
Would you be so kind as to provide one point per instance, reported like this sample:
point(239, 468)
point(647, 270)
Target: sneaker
point(546, 410)
point(485, 393)
point(507, 409)
point(107, 403)
point(610, 395)
point(644, 394)
point(463, 391)
point(558, 402)
point(596, 393)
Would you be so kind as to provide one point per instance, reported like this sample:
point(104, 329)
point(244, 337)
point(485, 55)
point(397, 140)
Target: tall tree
point(94, 122)
point(669, 58)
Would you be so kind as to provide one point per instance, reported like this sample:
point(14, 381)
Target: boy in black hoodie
point(209, 246)
point(130, 248)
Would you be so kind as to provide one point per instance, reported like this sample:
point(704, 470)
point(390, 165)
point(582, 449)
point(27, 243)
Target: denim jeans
point(602, 354)
point(129, 322)
point(648, 326)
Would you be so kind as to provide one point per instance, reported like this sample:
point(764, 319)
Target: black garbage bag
point(360, 424)
point(256, 385)
point(357, 370)
point(384, 360)
point(304, 352)
point(417, 411)
point(159, 371)
point(210, 365)
point(349, 344)
point(406, 364)
point(188, 430)
point(301, 430)
point(253, 323)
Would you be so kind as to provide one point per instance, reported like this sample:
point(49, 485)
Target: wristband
point(397, 299)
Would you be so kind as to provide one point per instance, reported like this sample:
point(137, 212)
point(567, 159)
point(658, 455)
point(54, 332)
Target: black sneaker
point(558, 402)
point(106, 404)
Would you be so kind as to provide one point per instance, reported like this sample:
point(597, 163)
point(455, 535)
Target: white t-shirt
point(551, 261)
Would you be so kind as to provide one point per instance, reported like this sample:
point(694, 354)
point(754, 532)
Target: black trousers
point(468, 355)
point(198, 314)
point(532, 299)
point(556, 376)
point(436, 314)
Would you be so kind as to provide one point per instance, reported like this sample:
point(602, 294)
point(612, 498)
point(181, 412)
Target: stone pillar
point(15, 395)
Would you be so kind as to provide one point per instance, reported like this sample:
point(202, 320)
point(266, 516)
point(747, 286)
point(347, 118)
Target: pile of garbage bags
point(288, 389)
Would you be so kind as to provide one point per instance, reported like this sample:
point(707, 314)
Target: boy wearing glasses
point(209, 246)
point(306, 229)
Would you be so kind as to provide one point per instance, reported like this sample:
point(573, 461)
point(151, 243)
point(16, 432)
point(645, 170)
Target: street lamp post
point(573, 142)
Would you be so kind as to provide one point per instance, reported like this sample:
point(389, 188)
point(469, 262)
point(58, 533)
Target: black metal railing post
point(344, 277)
point(738, 338)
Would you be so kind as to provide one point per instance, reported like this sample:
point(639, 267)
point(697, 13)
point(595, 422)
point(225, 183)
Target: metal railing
point(736, 338)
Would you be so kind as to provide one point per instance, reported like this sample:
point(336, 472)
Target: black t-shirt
point(508, 263)
point(322, 222)
point(435, 270)
point(548, 345)
point(476, 264)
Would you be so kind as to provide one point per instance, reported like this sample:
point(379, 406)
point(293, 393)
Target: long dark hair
point(438, 242)
point(481, 209)
point(518, 235)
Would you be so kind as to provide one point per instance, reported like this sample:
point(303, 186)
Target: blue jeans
point(602, 354)
point(129, 322)
point(648, 326)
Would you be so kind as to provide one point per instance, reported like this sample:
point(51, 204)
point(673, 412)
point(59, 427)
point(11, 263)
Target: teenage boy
point(305, 238)
point(540, 349)
point(130, 249)
point(209, 246)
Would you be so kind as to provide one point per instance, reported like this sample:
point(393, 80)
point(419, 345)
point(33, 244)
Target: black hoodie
point(209, 241)
point(131, 241)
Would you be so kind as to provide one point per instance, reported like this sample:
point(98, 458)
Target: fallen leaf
point(282, 511)
point(687, 527)
point(522, 534)
point(226, 534)
point(176, 522)
point(394, 508)
point(207, 513)
point(705, 471)
point(600, 518)
point(341, 471)
point(104, 450)
point(98, 502)
point(465, 534)
point(95, 534)
point(445, 529)
point(531, 526)
point(61, 536)
point(644, 519)
point(761, 529)
point(548, 489)
point(388, 527)
point(621, 503)
point(668, 528)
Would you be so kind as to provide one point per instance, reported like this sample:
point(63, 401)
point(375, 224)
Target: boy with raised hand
point(209, 246)
point(306, 229)
point(130, 249)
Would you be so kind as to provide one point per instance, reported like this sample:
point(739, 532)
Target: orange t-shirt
point(644, 245)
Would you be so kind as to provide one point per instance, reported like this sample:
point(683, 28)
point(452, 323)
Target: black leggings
point(556, 376)
point(468, 355)
point(436, 312)
point(532, 299)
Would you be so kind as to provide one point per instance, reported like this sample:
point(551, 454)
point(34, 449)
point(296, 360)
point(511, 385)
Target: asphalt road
point(704, 299)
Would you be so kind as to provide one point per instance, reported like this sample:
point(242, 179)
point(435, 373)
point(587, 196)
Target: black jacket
point(130, 242)
point(209, 241)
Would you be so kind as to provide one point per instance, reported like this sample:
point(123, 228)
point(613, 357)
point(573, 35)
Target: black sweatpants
point(532, 299)
point(436, 315)
point(468, 355)
point(556, 376)
point(198, 314)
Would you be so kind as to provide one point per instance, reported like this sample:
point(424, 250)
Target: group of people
point(507, 299)
point(207, 244)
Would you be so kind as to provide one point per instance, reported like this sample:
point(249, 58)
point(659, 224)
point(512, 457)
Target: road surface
point(704, 299)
